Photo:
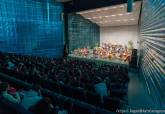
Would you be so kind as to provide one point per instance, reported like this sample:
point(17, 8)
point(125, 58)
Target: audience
point(13, 97)
point(72, 73)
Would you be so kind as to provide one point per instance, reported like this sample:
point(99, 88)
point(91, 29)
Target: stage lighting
point(130, 5)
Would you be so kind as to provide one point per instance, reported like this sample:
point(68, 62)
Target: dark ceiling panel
point(80, 5)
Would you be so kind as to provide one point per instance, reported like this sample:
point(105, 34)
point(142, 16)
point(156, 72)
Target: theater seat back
point(7, 107)
point(111, 104)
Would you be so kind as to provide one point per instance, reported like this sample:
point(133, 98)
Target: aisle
point(138, 97)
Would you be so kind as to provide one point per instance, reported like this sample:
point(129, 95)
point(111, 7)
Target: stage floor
point(99, 60)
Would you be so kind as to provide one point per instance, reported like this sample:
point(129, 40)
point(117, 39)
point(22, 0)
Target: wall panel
point(31, 27)
point(81, 32)
point(153, 48)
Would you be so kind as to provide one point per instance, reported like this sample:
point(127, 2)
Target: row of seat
point(7, 107)
point(71, 105)
point(77, 93)
point(117, 84)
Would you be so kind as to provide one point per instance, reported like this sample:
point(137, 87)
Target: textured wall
point(119, 35)
point(82, 32)
point(31, 27)
point(153, 48)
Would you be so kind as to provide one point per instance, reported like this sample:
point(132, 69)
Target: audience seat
point(79, 94)
point(118, 93)
point(4, 109)
point(93, 98)
point(89, 87)
point(7, 107)
point(80, 110)
point(67, 105)
point(111, 103)
point(66, 90)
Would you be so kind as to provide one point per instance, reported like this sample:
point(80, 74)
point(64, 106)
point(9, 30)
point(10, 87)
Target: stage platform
point(99, 60)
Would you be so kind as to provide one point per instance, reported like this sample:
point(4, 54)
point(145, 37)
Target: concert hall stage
point(99, 60)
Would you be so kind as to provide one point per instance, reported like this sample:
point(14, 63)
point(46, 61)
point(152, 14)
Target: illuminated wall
point(119, 35)
point(31, 27)
point(153, 48)
point(82, 33)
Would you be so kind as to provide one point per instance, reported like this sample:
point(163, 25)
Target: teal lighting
point(130, 5)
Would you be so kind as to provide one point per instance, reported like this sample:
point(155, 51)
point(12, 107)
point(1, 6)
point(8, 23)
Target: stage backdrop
point(31, 27)
point(119, 35)
point(82, 32)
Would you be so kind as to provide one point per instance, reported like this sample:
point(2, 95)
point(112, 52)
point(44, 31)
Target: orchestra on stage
point(105, 51)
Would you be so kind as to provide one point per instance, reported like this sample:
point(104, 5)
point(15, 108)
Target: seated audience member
point(31, 97)
point(19, 67)
point(101, 88)
point(10, 65)
point(12, 90)
point(14, 97)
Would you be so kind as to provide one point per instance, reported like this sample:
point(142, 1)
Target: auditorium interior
point(82, 56)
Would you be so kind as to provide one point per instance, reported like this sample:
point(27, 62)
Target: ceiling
point(115, 15)
point(63, 0)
